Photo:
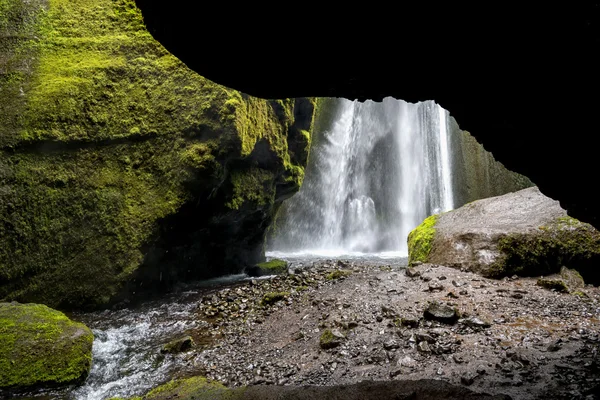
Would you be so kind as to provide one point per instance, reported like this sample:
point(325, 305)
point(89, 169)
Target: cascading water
point(373, 176)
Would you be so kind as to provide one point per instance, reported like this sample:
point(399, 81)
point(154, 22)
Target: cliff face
point(476, 173)
point(121, 170)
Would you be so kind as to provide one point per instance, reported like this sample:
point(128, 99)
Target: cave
point(521, 78)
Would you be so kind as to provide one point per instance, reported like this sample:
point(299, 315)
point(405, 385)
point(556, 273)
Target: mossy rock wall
point(40, 347)
point(121, 170)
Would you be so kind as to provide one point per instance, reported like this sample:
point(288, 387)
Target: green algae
point(110, 141)
point(40, 346)
point(420, 240)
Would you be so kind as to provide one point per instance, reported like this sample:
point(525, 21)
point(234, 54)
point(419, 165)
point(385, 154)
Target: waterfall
point(374, 174)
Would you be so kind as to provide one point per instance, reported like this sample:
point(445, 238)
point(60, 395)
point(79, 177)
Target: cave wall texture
point(121, 170)
point(522, 78)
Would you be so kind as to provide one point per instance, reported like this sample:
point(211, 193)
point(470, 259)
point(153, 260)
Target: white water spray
point(377, 172)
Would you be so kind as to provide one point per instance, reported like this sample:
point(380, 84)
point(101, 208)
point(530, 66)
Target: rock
point(41, 347)
point(567, 281)
point(409, 322)
point(330, 338)
point(424, 337)
point(273, 297)
point(442, 313)
point(553, 284)
point(391, 344)
point(524, 233)
point(338, 274)
point(475, 323)
point(272, 267)
point(407, 362)
point(435, 287)
point(153, 173)
point(423, 347)
point(412, 272)
point(178, 345)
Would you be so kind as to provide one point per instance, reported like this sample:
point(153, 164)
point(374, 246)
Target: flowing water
point(373, 176)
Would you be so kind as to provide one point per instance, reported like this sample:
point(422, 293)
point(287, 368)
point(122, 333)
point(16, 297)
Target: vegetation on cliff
point(122, 170)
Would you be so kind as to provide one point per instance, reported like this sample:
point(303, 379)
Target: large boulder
point(40, 346)
point(523, 232)
point(121, 170)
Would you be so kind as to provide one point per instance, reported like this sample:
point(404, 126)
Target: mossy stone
point(273, 297)
point(338, 274)
point(272, 267)
point(40, 347)
point(420, 240)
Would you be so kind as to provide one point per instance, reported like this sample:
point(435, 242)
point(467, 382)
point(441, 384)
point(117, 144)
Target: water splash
point(373, 176)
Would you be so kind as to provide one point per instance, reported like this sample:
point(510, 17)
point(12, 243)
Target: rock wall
point(121, 170)
point(476, 173)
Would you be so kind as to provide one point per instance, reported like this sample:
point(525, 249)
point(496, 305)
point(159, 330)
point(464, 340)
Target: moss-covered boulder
point(271, 267)
point(121, 170)
point(40, 347)
point(523, 233)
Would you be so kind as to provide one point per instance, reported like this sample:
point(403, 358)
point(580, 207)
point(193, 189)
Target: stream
point(127, 359)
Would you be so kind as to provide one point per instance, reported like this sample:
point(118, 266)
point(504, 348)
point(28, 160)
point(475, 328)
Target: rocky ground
point(342, 322)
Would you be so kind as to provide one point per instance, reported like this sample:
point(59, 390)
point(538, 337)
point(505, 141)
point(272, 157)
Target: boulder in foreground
point(523, 233)
point(40, 346)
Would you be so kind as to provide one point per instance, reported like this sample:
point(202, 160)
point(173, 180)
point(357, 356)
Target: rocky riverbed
point(341, 322)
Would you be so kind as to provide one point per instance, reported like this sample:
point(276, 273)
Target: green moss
point(107, 138)
point(338, 274)
point(273, 267)
point(581, 294)
point(41, 346)
point(566, 242)
point(197, 388)
point(328, 340)
point(273, 297)
point(553, 284)
point(420, 240)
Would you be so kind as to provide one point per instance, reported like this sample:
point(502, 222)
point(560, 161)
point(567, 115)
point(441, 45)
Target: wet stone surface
point(506, 336)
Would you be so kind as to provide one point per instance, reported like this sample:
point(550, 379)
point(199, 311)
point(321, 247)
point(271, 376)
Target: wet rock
point(330, 338)
point(409, 322)
point(424, 337)
point(407, 362)
point(391, 344)
point(423, 347)
point(178, 345)
point(412, 272)
point(436, 287)
point(553, 284)
point(273, 297)
point(441, 313)
point(475, 323)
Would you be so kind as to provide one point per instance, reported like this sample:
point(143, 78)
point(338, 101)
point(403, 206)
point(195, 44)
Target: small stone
point(440, 312)
point(330, 338)
point(476, 323)
point(442, 278)
point(452, 295)
point(458, 358)
point(178, 345)
point(410, 322)
point(435, 287)
point(516, 296)
point(423, 347)
point(391, 344)
point(467, 380)
point(411, 272)
point(424, 337)
point(426, 278)
point(407, 362)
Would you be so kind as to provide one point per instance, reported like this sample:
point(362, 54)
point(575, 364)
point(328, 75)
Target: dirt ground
point(507, 336)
